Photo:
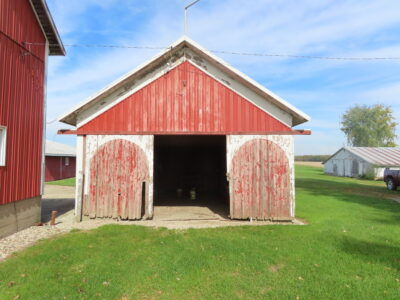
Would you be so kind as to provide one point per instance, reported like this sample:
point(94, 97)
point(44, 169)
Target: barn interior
point(190, 171)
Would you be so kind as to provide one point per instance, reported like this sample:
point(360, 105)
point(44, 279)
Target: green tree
point(369, 126)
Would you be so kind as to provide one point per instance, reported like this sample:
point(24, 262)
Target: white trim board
point(3, 146)
point(109, 102)
point(169, 57)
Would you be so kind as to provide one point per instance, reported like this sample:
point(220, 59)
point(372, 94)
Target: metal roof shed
point(58, 149)
point(362, 161)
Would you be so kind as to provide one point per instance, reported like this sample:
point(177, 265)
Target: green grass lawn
point(349, 250)
point(64, 182)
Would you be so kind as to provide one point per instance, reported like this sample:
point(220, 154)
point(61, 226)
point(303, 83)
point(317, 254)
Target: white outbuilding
point(369, 162)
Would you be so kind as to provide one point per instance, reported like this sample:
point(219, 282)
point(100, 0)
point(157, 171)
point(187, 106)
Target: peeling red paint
point(184, 101)
point(260, 180)
point(117, 172)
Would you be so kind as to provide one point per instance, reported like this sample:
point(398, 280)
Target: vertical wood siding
point(118, 170)
point(55, 168)
point(21, 100)
point(260, 179)
point(186, 101)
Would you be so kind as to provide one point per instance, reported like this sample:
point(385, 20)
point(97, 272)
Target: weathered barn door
point(118, 175)
point(260, 182)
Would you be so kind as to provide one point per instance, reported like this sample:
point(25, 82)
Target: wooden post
point(53, 217)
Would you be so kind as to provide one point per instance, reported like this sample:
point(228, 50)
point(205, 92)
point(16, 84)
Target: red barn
point(185, 128)
point(60, 161)
point(27, 37)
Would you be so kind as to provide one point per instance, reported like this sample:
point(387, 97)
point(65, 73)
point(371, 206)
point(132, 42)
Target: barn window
point(3, 139)
point(67, 161)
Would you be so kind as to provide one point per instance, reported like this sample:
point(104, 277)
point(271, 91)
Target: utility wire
point(229, 52)
point(305, 56)
point(101, 46)
point(52, 121)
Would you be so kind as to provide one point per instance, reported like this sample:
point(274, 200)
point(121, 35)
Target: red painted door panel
point(117, 172)
point(260, 182)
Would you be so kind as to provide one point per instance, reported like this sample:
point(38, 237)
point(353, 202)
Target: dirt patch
point(58, 192)
point(309, 163)
point(397, 199)
point(276, 268)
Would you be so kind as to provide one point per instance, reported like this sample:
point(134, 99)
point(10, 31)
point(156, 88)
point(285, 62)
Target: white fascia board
point(111, 100)
point(119, 81)
point(195, 47)
point(249, 80)
point(238, 88)
point(246, 93)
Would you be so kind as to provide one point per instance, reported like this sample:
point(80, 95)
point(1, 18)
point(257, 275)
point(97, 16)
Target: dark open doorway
point(190, 171)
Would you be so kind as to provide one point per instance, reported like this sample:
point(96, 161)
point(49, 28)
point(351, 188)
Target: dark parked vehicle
point(392, 179)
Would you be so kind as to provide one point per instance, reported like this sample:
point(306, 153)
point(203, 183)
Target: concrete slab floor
point(169, 213)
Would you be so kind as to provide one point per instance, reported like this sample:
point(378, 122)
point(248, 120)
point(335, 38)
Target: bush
point(320, 158)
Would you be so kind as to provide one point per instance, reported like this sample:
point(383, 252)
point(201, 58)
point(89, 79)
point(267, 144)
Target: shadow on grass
point(376, 197)
point(373, 252)
point(393, 219)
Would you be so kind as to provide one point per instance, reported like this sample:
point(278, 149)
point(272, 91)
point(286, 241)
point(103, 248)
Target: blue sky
point(323, 89)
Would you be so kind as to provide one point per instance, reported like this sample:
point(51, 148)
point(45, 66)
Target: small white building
point(369, 162)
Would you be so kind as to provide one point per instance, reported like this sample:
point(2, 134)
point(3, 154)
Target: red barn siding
point(185, 101)
point(21, 101)
point(55, 168)
point(19, 24)
point(260, 180)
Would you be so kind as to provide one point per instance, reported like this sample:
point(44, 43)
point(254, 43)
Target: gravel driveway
point(60, 198)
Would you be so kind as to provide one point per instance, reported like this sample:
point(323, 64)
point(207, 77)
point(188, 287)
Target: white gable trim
point(297, 116)
point(279, 101)
point(110, 101)
point(126, 77)
point(332, 156)
point(121, 94)
point(240, 89)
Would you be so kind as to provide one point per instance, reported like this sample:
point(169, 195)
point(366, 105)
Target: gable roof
point(378, 156)
point(58, 149)
point(164, 107)
point(45, 19)
point(297, 115)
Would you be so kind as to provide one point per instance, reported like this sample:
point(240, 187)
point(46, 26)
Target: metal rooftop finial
point(186, 8)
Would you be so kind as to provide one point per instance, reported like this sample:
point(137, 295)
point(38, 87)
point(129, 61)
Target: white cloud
point(324, 89)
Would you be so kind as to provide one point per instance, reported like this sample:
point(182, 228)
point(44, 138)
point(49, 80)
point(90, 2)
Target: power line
point(304, 56)
point(230, 52)
point(52, 121)
point(100, 46)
